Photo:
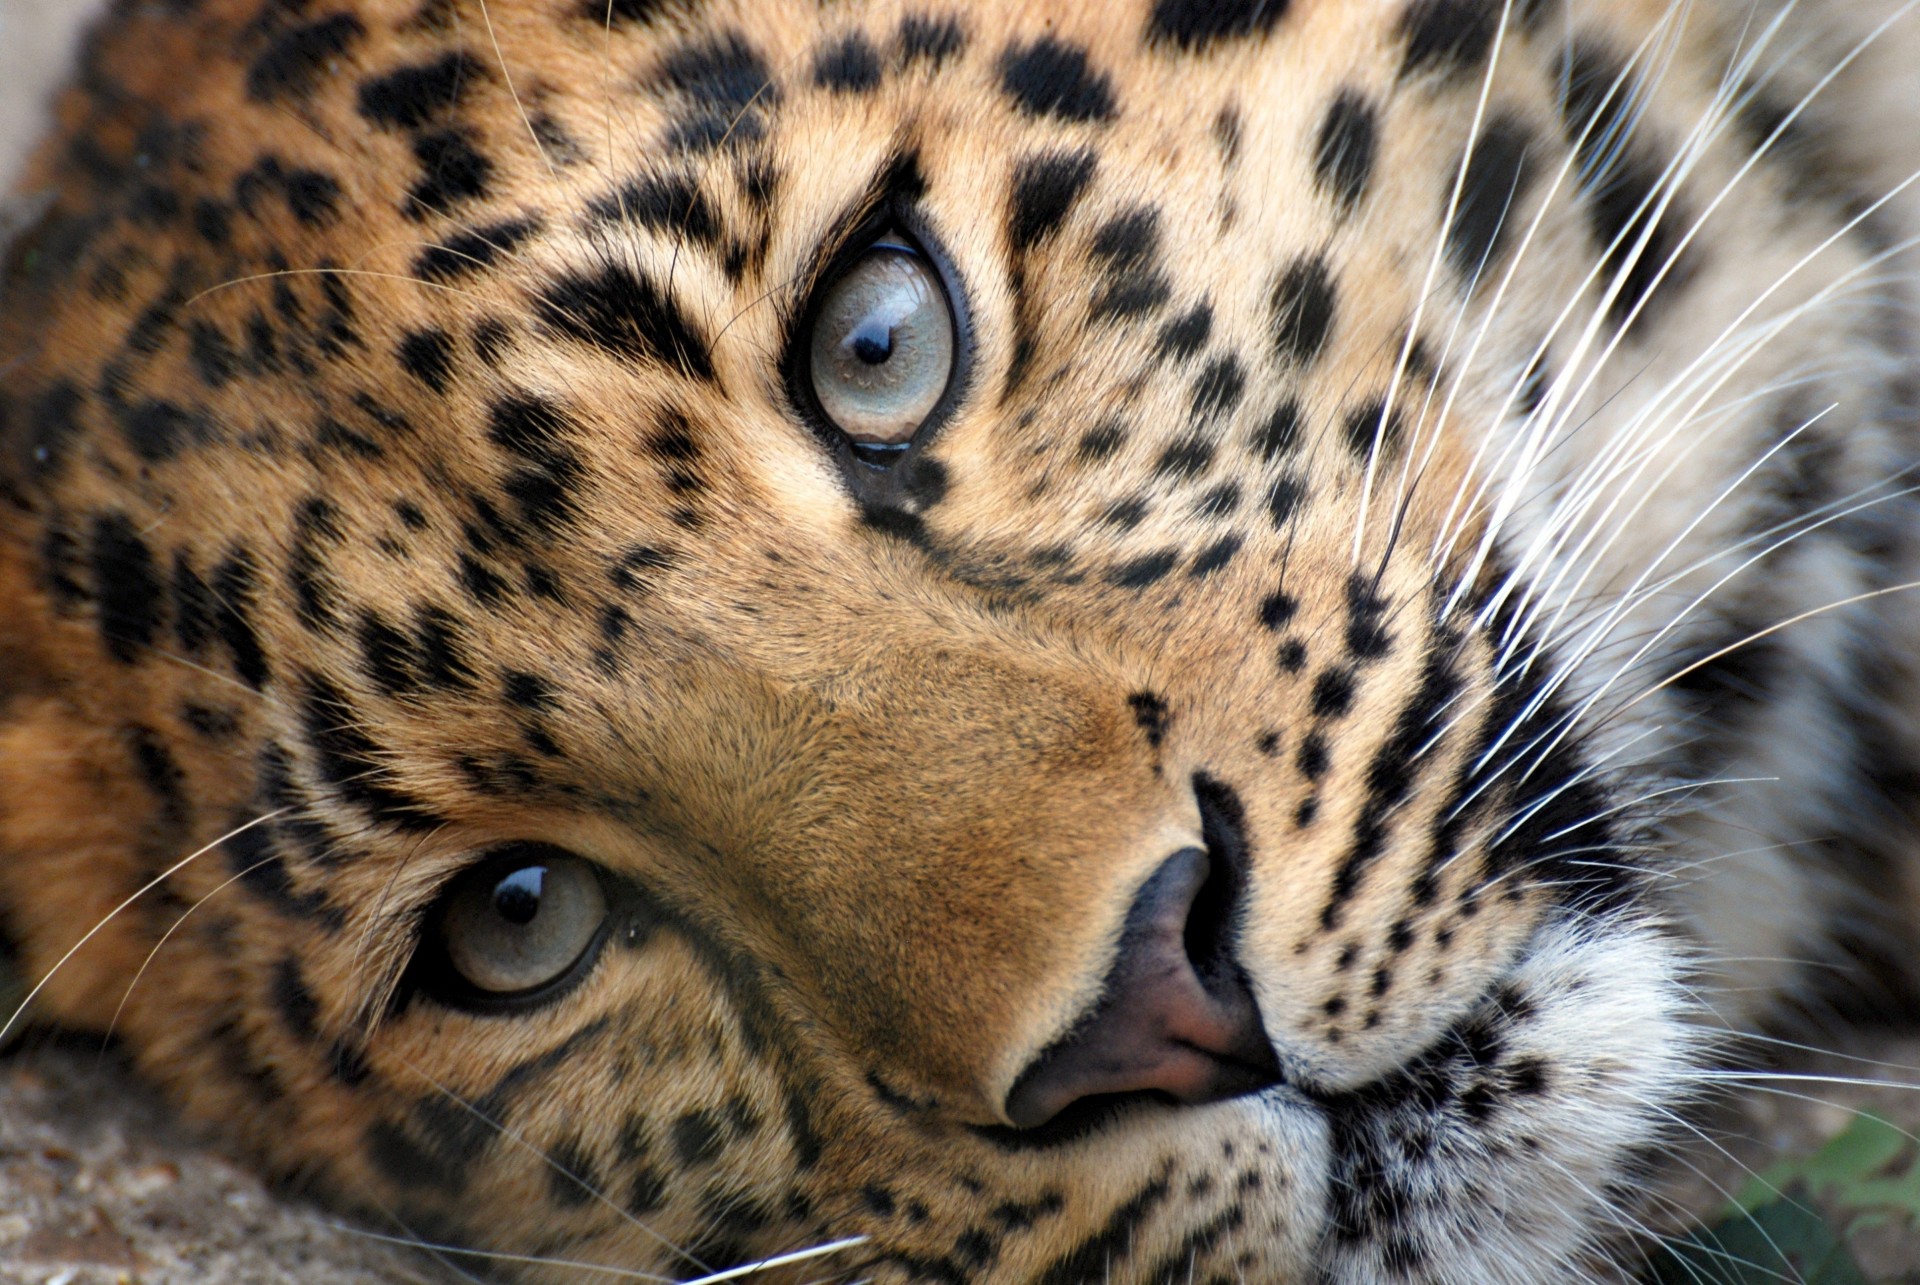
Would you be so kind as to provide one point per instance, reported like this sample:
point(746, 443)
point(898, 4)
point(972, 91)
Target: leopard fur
point(1446, 462)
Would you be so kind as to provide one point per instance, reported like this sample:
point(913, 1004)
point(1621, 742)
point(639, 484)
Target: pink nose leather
point(1166, 1022)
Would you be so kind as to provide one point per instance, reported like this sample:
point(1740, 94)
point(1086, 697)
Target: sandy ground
point(97, 1186)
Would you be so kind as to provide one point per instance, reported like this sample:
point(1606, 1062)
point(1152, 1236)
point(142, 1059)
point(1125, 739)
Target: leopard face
point(1012, 642)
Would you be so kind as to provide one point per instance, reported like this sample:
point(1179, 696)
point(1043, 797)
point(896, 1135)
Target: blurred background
point(36, 42)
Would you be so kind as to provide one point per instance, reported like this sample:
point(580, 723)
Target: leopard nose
point(1175, 1018)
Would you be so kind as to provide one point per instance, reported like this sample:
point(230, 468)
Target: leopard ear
point(72, 810)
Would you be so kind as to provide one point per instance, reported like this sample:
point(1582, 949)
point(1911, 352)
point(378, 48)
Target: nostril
point(1210, 920)
point(1175, 1017)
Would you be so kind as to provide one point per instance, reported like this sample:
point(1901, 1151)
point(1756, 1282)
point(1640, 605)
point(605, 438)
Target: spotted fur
point(1448, 460)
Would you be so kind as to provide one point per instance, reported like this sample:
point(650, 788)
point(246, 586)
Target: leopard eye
point(882, 348)
point(522, 920)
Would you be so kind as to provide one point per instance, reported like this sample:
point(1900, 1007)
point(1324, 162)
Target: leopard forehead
point(402, 446)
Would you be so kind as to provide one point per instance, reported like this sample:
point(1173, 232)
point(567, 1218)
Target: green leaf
point(1778, 1242)
point(1845, 1164)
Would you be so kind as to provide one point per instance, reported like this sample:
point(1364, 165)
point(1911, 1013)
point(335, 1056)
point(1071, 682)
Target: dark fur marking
point(1292, 656)
point(729, 88)
point(1333, 693)
point(1046, 187)
point(724, 72)
point(698, 1137)
point(1128, 239)
point(1217, 389)
point(1367, 634)
point(1303, 305)
point(646, 1192)
point(1228, 131)
point(1150, 715)
point(233, 590)
point(1452, 37)
point(160, 773)
point(1372, 425)
point(931, 40)
point(297, 1007)
point(53, 426)
point(545, 493)
point(127, 587)
point(158, 430)
point(528, 691)
point(255, 860)
point(1344, 156)
point(573, 1179)
point(427, 355)
point(452, 171)
point(673, 441)
point(215, 359)
point(671, 203)
point(349, 759)
point(1534, 385)
point(212, 222)
point(1313, 757)
point(414, 96)
point(1102, 442)
point(315, 523)
point(386, 656)
point(290, 66)
point(1053, 78)
point(1136, 295)
point(447, 1137)
point(637, 564)
point(1186, 334)
point(625, 315)
point(473, 251)
point(1279, 433)
point(622, 12)
point(312, 197)
point(1278, 609)
point(1284, 499)
point(492, 339)
point(1185, 459)
point(925, 483)
point(60, 564)
point(193, 606)
point(1196, 24)
point(1125, 247)
point(1215, 556)
point(1498, 176)
point(1094, 1257)
point(1391, 777)
point(848, 66)
point(1621, 178)
point(346, 1061)
point(1219, 501)
point(1145, 570)
point(531, 427)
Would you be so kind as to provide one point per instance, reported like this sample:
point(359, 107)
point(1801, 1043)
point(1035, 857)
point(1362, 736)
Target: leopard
point(1004, 641)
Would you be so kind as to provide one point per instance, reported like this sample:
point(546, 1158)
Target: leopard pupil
point(516, 898)
point(872, 343)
